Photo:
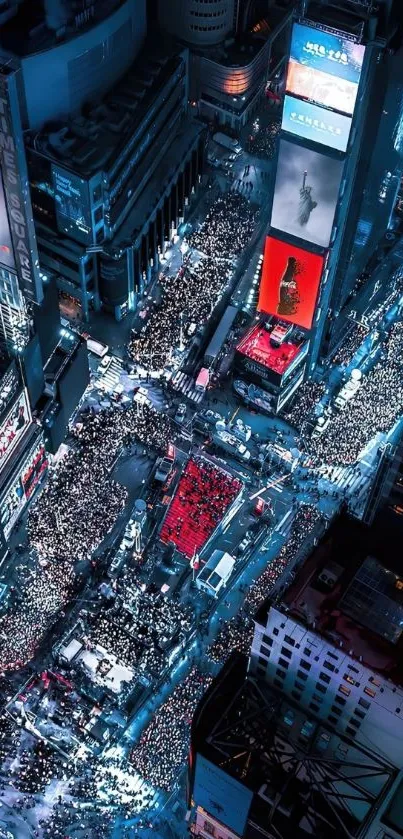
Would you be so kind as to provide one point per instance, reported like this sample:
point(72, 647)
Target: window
point(296, 694)
point(277, 683)
point(320, 688)
point(317, 698)
point(286, 652)
point(302, 675)
point(99, 214)
point(336, 710)
point(340, 700)
point(307, 651)
point(370, 692)
point(375, 681)
point(328, 666)
point(267, 640)
point(305, 665)
point(280, 673)
point(262, 661)
point(275, 631)
point(324, 678)
point(332, 720)
point(289, 640)
point(349, 679)
point(299, 686)
point(261, 671)
point(333, 655)
point(344, 690)
point(265, 650)
point(355, 723)
point(354, 669)
point(209, 828)
point(283, 663)
point(350, 731)
point(314, 707)
point(359, 714)
point(364, 703)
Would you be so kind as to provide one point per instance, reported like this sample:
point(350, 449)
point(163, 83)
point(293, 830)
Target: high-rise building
point(334, 642)
point(341, 85)
point(199, 23)
point(262, 766)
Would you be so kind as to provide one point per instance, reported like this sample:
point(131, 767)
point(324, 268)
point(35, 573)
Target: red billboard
point(290, 282)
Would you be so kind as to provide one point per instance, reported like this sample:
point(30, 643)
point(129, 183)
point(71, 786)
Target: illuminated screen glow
point(328, 52)
point(6, 245)
point(13, 427)
point(290, 282)
point(321, 87)
point(309, 121)
point(306, 193)
point(73, 212)
point(221, 795)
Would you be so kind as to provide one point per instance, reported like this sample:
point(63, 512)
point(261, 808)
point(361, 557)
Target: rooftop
point(257, 345)
point(295, 770)
point(351, 591)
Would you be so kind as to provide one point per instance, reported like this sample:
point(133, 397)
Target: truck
point(227, 142)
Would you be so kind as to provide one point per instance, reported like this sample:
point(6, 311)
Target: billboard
point(328, 52)
point(16, 186)
point(6, 245)
point(73, 213)
point(221, 795)
point(11, 505)
point(306, 193)
point(321, 88)
point(34, 467)
point(306, 120)
point(13, 427)
point(290, 282)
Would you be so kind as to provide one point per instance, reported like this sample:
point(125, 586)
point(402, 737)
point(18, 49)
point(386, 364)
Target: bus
point(97, 347)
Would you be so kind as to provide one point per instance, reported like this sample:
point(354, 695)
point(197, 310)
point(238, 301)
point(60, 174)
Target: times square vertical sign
point(15, 179)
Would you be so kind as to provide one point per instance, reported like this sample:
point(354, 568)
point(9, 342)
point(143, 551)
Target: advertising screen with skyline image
point(306, 193)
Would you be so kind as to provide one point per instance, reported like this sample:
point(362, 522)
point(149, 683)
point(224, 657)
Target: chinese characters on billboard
point(13, 427)
point(72, 205)
point(290, 282)
point(306, 120)
point(324, 67)
point(306, 193)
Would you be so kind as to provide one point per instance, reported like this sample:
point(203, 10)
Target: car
point(210, 416)
point(128, 542)
point(180, 413)
point(104, 363)
point(163, 469)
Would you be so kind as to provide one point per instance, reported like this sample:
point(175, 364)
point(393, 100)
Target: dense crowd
point(164, 745)
point(68, 522)
point(262, 140)
point(236, 634)
point(376, 407)
point(226, 229)
point(187, 299)
point(350, 345)
point(304, 403)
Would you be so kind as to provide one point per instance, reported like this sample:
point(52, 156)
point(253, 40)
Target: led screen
point(72, 205)
point(321, 87)
point(11, 505)
point(34, 468)
point(328, 52)
point(6, 246)
point(222, 796)
point(313, 123)
point(290, 282)
point(306, 193)
point(13, 427)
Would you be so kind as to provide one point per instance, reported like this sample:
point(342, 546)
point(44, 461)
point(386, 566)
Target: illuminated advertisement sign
point(328, 52)
point(12, 504)
point(321, 88)
point(304, 119)
point(306, 193)
point(14, 427)
point(34, 468)
point(16, 187)
point(73, 212)
point(222, 796)
point(290, 282)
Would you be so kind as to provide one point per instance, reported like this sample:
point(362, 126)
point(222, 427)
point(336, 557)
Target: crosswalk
point(343, 477)
point(185, 384)
point(110, 378)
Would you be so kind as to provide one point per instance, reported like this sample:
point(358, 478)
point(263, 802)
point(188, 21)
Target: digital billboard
point(290, 282)
point(321, 88)
point(222, 796)
point(6, 245)
point(11, 505)
point(34, 467)
point(309, 121)
point(329, 52)
point(13, 427)
point(73, 212)
point(306, 193)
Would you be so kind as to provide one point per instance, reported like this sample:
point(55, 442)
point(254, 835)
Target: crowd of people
point(187, 299)
point(262, 140)
point(375, 408)
point(226, 229)
point(204, 493)
point(308, 395)
point(164, 745)
point(350, 345)
point(69, 520)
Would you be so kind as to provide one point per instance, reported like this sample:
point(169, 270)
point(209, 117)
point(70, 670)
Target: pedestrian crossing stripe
point(185, 384)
